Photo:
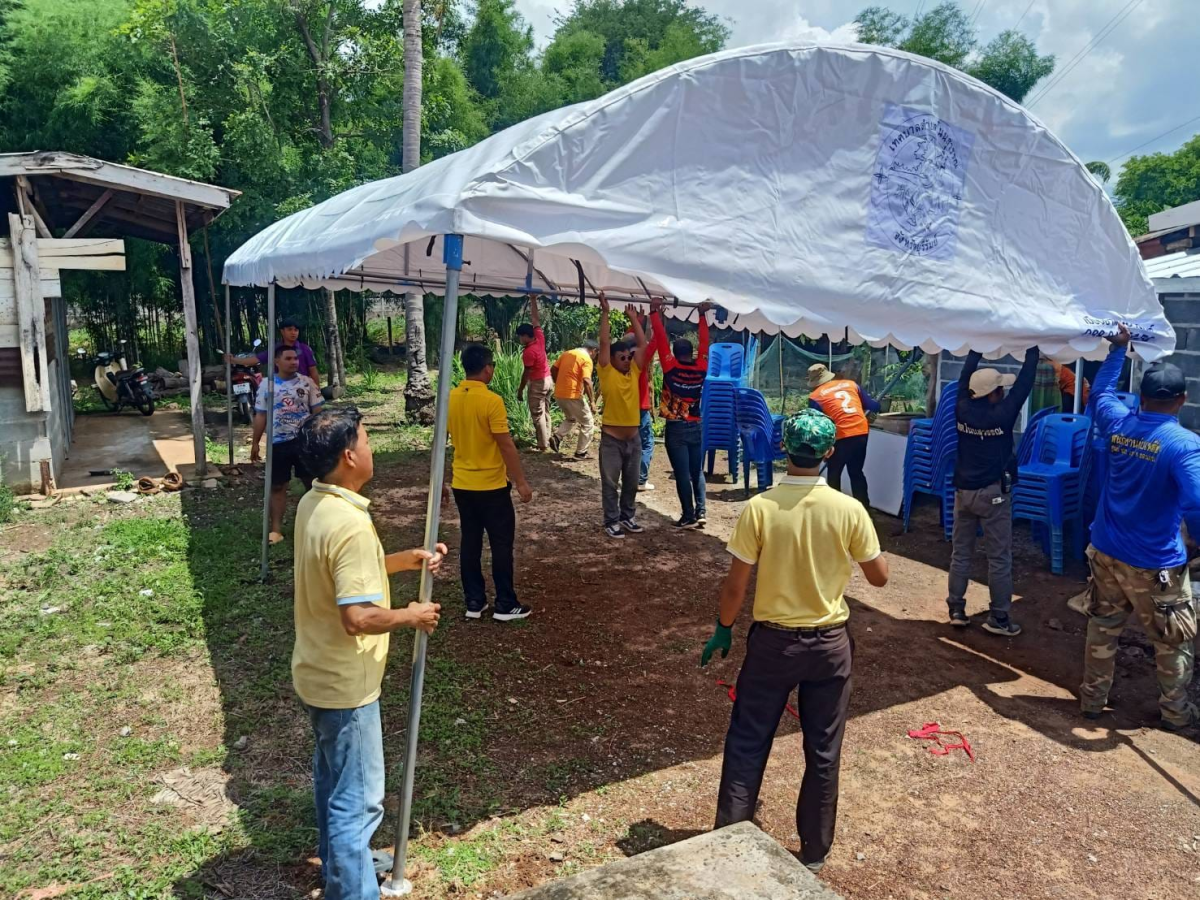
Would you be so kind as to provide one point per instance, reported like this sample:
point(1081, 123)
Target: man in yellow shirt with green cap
point(802, 535)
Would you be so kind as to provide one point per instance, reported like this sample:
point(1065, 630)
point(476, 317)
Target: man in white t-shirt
point(296, 398)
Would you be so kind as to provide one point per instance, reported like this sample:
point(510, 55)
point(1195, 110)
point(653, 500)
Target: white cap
point(984, 381)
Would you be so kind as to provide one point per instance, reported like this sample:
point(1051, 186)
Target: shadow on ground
point(600, 686)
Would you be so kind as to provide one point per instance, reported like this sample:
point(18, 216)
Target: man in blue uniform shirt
point(1137, 556)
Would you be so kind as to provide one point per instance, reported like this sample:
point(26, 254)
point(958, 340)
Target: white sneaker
point(646, 486)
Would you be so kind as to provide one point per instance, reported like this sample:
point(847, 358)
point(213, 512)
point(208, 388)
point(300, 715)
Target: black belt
point(804, 629)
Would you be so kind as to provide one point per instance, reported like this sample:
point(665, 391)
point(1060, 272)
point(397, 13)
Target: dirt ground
point(608, 707)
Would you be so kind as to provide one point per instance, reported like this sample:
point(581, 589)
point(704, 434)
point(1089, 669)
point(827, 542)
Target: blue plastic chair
point(761, 435)
point(719, 427)
point(1025, 448)
point(1050, 489)
point(929, 459)
point(726, 361)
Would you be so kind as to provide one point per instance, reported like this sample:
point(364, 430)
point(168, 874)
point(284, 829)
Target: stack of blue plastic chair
point(761, 434)
point(1025, 448)
point(726, 361)
point(1050, 488)
point(929, 459)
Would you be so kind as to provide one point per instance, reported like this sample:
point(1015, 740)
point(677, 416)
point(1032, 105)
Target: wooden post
point(31, 313)
point(192, 335)
point(391, 351)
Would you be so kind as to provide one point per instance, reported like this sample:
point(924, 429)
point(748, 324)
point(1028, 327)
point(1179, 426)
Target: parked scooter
point(120, 386)
point(245, 381)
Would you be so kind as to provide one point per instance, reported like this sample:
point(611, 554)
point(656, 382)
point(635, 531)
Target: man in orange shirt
point(847, 404)
point(572, 375)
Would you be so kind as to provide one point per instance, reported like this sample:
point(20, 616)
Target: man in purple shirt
point(289, 333)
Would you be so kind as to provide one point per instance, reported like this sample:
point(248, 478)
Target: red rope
point(932, 731)
point(732, 692)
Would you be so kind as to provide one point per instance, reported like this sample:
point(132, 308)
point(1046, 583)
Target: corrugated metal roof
point(1184, 264)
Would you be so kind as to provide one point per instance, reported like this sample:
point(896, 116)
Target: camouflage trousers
point(1166, 612)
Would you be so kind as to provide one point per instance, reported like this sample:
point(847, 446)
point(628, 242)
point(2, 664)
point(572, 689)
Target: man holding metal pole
point(344, 616)
point(1138, 557)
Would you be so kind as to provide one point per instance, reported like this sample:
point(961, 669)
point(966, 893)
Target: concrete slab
point(144, 445)
point(735, 863)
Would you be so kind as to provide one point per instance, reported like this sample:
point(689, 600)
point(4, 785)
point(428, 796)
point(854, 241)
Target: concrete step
point(736, 863)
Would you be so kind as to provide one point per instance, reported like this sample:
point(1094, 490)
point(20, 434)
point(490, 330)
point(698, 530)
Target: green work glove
point(722, 640)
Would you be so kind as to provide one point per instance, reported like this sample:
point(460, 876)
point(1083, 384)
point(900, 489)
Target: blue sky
point(1137, 83)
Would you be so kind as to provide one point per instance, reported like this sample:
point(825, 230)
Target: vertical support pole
point(397, 885)
point(391, 348)
point(191, 325)
point(782, 389)
point(31, 313)
point(1079, 385)
point(229, 376)
point(269, 375)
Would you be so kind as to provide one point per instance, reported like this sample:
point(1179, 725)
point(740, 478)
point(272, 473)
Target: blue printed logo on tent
point(917, 184)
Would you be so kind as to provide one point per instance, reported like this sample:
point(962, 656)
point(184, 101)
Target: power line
point(1153, 139)
point(978, 9)
point(1024, 14)
point(1091, 45)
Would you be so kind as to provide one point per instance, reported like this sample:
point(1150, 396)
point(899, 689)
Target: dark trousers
point(778, 662)
point(619, 464)
point(490, 511)
point(849, 453)
point(684, 450)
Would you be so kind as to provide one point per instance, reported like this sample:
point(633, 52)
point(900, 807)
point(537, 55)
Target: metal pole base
point(403, 889)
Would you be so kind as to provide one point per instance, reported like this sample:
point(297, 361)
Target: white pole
point(397, 885)
point(229, 377)
point(1079, 385)
point(264, 572)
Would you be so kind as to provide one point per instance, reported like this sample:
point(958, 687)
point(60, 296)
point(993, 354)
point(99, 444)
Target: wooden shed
point(63, 211)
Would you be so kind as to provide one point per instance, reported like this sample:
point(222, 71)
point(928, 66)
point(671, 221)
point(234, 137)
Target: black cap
point(289, 322)
point(1163, 381)
point(590, 344)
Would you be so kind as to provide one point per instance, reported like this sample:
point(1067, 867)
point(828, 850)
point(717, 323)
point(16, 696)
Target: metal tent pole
point(1079, 385)
point(264, 573)
point(397, 885)
point(229, 377)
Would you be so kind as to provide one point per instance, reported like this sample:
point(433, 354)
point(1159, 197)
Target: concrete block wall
point(1183, 312)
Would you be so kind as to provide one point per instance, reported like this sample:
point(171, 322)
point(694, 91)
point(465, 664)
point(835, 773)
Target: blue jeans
point(683, 441)
point(646, 433)
point(348, 789)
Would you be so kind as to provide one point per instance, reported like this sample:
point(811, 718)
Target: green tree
point(1101, 170)
point(8, 9)
point(497, 43)
point(1009, 63)
point(1150, 184)
point(618, 22)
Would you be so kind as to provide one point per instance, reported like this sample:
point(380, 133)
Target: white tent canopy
point(805, 188)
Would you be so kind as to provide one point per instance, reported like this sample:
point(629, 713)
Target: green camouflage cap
point(808, 433)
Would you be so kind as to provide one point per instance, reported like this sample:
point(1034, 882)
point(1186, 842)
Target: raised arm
point(1108, 409)
point(702, 354)
point(533, 312)
point(663, 343)
point(964, 378)
point(635, 322)
point(605, 337)
point(1019, 393)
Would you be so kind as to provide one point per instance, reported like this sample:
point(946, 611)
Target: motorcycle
point(245, 381)
point(120, 386)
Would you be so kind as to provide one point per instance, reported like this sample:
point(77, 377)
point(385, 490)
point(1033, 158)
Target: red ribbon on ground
point(732, 692)
point(932, 731)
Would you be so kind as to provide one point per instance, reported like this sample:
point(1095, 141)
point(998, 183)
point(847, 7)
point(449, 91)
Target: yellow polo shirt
point(475, 416)
point(622, 399)
point(803, 534)
point(339, 560)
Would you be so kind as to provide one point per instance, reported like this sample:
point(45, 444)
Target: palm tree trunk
point(418, 394)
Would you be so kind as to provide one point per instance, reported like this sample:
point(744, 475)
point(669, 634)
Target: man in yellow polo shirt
point(485, 460)
point(344, 614)
point(802, 535)
point(620, 440)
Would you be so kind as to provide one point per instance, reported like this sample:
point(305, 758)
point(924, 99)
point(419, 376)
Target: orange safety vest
point(839, 399)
